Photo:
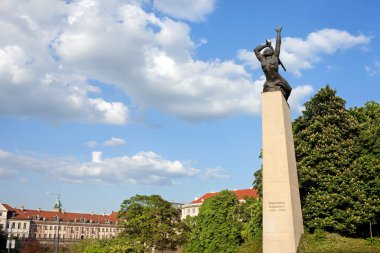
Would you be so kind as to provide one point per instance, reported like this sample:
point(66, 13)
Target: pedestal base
point(282, 216)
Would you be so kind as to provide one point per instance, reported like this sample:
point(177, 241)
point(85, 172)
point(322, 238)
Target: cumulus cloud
point(152, 62)
point(33, 81)
point(298, 54)
point(195, 10)
point(114, 141)
point(298, 94)
point(91, 144)
point(373, 69)
point(47, 60)
point(145, 167)
point(217, 173)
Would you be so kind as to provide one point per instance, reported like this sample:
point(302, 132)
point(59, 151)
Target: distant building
point(46, 226)
point(192, 209)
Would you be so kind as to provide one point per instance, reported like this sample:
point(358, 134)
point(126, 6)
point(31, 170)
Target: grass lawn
point(322, 242)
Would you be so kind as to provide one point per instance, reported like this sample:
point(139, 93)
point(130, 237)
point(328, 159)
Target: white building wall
point(3, 216)
point(190, 210)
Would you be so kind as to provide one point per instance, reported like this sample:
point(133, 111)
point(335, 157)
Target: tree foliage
point(113, 245)
point(332, 189)
point(252, 218)
point(338, 163)
point(366, 168)
point(258, 180)
point(220, 223)
point(152, 221)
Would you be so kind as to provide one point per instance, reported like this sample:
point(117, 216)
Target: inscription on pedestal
point(277, 206)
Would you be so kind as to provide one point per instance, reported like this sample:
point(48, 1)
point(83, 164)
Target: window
point(7, 224)
point(19, 225)
point(25, 225)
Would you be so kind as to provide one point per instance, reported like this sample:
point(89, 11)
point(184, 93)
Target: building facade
point(192, 209)
point(49, 226)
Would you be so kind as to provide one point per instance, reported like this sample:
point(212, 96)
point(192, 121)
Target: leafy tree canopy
point(114, 245)
point(218, 225)
point(152, 221)
point(333, 195)
point(338, 163)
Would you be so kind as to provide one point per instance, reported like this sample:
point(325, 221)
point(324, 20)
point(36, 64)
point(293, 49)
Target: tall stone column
point(282, 215)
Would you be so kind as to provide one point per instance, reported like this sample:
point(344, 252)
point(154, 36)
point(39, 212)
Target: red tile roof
point(27, 214)
point(240, 194)
point(8, 207)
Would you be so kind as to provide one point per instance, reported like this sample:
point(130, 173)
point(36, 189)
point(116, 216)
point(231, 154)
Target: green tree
point(113, 245)
point(218, 225)
point(153, 222)
point(325, 136)
point(366, 169)
point(252, 218)
point(258, 181)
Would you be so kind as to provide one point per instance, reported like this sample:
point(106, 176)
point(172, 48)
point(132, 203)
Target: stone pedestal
point(282, 216)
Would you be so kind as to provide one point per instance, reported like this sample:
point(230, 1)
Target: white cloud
point(298, 54)
point(152, 62)
point(114, 141)
point(217, 173)
point(195, 10)
point(145, 167)
point(46, 61)
point(374, 69)
point(33, 81)
point(96, 156)
point(91, 144)
point(298, 94)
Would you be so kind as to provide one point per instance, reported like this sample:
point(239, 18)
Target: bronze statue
point(270, 59)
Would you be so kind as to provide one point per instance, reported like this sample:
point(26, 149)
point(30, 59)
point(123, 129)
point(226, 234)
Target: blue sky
point(104, 99)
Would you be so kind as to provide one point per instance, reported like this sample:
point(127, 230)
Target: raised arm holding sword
point(270, 59)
